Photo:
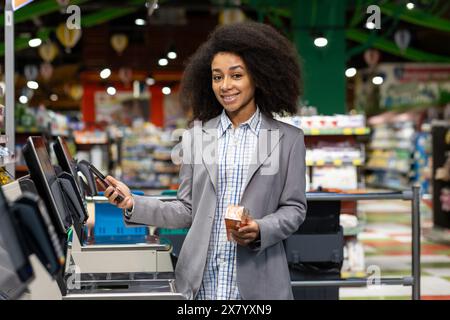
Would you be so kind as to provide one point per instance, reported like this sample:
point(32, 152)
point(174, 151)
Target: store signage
point(17, 4)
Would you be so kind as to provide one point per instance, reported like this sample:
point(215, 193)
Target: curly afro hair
point(272, 61)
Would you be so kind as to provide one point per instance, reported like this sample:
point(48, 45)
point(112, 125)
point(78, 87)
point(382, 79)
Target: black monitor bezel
point(66, 161)
point(40, 180)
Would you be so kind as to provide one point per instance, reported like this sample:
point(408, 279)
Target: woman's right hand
point(111, 193)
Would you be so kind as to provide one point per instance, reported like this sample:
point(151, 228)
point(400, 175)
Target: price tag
point(360, 130)
point(315, 132)
point(347, 131)
point(320, 162)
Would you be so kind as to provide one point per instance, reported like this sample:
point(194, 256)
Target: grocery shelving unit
point(146, 159)
point(390, 163)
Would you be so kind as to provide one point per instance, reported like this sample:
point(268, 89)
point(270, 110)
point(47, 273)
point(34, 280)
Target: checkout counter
point(84, 270)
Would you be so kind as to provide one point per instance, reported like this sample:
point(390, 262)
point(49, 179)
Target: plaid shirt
point(235, 149)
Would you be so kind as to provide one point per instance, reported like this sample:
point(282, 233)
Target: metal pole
point(416, 242)
point(406, 281)
point(9, 82)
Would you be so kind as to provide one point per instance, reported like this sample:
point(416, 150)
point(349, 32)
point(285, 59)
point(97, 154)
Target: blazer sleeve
point(167, 214)
point(291, 213)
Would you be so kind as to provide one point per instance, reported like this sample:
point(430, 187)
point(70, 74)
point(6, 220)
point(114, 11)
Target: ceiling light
point(111, 91)
point(163, 62)
point(166, 90)
point(410, 5)
point(23, 99)
point(370, 25)
point(32, 85)
point(54, 97)
point(172, 55)
point(105, 73)
point(350, 72)
point(150, 81)
point(140, 22)
point(377, 80)
point(320, 42)
point(36, 42)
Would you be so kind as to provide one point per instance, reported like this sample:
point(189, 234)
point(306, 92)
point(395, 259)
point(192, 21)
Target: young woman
point(235, 82)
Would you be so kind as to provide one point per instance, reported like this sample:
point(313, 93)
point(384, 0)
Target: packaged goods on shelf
point(326, 122)
point(393, 146)
point(335, 153)
point(344, 178)
point(146, 157)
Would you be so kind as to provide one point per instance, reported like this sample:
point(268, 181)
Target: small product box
point(235, 217)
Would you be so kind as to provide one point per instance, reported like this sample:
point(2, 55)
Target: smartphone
point(106, 183)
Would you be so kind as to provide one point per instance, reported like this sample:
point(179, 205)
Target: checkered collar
point(253, 123)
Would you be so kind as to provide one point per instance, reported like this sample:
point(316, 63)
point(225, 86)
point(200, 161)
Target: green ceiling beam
point(110, 14)
point(391, 47)
point(417, 17)
point(86, 22)
point(36, 9)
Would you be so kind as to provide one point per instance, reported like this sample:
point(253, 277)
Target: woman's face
point(232, 84)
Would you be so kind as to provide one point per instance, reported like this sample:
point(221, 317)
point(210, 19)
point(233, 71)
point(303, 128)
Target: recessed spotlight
point(23, 99)
point(36, 42)
point(350, 72)
point(140, 22)
point(172, 55)
point(370, 25)
point(32, 85)
point(163, 62)
point(150, 81)
point(105, 73)
point(320, 42)
point(166, 90)
point(377, 80)
point(111, 91)
point(410, 5)
point(54, 97)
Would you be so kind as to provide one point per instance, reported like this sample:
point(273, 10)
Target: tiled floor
point(387, 245)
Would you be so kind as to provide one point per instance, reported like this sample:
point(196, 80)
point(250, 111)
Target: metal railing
point(412, 195)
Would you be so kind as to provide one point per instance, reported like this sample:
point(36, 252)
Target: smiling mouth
point(230, 99)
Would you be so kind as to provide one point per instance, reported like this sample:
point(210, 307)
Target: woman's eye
point(217, 78)
point(237, 76)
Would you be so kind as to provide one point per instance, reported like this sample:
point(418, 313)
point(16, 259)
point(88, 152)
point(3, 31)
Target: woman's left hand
point(246, 234)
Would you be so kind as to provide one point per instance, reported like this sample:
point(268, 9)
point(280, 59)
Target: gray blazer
point(274, 194)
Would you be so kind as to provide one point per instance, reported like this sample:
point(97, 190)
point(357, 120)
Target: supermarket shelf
point(335, 162)
point(355, 274)
point(389, 170)
point(387, 186)
point(93, 143)
point(25, 130)
point(336, 131)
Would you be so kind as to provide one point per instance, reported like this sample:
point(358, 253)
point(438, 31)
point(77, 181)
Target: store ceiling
point(183, 25)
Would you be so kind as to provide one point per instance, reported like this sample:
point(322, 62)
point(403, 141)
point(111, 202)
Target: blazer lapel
point(209, 149)
point(268, 140)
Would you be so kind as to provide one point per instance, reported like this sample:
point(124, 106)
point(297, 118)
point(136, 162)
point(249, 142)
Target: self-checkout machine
point(103, 271)
point(92, 258)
